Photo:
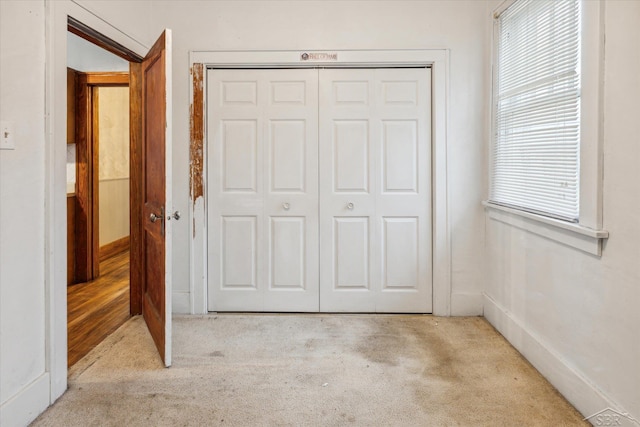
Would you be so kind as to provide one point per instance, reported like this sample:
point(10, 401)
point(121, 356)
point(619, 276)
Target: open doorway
point(98, 208)
point(149, 202)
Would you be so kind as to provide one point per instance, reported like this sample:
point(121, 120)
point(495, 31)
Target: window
point(537, 99)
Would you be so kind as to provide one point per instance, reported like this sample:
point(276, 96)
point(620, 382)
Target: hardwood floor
point(97, 308)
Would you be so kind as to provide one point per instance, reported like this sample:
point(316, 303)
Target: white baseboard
point(581, 393)
point(463, 304)
point(181, 302)
point(27, 404)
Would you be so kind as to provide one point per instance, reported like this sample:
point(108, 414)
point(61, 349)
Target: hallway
point(97, 308)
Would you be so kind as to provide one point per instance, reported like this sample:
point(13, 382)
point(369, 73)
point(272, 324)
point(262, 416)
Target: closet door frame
point(435, 59)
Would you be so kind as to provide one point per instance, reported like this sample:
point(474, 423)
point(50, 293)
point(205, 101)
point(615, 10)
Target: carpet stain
point(349, 418)
point(412, 342)
point(383, 344)
point(435, 354)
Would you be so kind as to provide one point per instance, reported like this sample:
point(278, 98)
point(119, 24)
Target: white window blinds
point(535, 158)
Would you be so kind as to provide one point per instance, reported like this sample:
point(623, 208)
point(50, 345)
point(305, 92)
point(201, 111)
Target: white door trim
point(436, 59)
point(56, 24)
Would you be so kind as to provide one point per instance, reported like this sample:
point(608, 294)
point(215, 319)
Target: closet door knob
point(350, 206)
point(286, 206)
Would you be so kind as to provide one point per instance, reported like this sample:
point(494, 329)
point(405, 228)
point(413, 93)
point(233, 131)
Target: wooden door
point(156, 193)
point(263, 192)
point(375, 190)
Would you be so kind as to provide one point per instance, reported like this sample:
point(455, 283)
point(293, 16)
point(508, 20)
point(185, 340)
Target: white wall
point(326, 25)
point(131, 18)
point(86, 56)
point(23, 374)
point(576, 316)
point(71, 168)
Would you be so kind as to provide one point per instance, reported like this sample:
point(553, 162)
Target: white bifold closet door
point(319, 191)
point(263, 190)
point(375, 190)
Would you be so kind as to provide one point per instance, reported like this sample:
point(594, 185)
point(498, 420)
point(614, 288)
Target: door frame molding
point(436, 59)
point(58, 15)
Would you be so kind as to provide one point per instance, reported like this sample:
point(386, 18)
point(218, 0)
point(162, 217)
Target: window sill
point(574, 235)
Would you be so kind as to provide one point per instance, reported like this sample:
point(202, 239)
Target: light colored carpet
point(310, 370)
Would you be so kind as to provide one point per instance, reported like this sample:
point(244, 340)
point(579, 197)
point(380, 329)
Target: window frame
point(587, 234)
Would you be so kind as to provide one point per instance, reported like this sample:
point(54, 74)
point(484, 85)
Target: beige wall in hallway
point(113, 164)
